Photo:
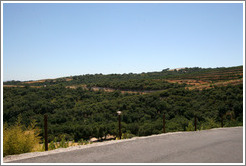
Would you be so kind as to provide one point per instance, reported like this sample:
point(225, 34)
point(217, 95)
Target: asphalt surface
point(223, 145)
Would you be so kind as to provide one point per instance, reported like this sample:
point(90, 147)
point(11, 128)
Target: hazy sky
point(56, 40)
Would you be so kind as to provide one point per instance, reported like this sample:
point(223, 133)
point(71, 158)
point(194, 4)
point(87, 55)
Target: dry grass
point(9, 86)
point(17, 140)
point(189, 81)
point(38, 81)
point(69, 79)
point(222, 83)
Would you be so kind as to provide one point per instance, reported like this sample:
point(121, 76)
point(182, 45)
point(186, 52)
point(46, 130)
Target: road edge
point(11, 158)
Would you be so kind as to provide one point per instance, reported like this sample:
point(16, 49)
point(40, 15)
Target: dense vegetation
point(138, 85)
point(82, 113)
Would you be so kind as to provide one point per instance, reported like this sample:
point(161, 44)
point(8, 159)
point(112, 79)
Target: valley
point(80, 108)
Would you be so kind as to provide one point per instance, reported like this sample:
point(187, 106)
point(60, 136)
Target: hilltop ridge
point(180, 77)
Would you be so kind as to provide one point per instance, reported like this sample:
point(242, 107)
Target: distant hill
point(85, 106)
point(181, 77)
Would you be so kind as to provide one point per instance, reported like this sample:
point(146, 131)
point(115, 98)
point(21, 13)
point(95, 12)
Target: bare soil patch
point(222, 83)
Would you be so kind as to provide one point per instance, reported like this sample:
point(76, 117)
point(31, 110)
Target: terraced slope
point(192, 78)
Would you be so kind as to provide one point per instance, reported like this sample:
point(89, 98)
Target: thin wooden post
point(164, 122)
point(119, 126)
point(222, 124)
point(46, 132)
point(195, 122)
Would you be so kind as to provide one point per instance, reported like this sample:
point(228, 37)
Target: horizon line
point(169, 69)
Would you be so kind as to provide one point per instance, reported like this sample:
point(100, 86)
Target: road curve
point(222, 145)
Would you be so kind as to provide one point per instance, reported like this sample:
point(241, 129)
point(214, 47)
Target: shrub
point(209, 124)
point(83, 142)
point(190, 127)
point(233, 123)
point(52, 145)
point(63, 143)
point(127, 135)
point(17, 139)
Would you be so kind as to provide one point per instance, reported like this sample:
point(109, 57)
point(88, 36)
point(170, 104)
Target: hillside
point(80, 107)
point(184, 77)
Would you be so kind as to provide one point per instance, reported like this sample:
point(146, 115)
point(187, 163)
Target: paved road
point(223, 145)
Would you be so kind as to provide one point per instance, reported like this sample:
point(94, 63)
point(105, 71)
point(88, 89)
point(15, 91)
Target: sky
point(51, 40)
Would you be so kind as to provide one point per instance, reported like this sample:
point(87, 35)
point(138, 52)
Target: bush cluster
point(18, 139)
